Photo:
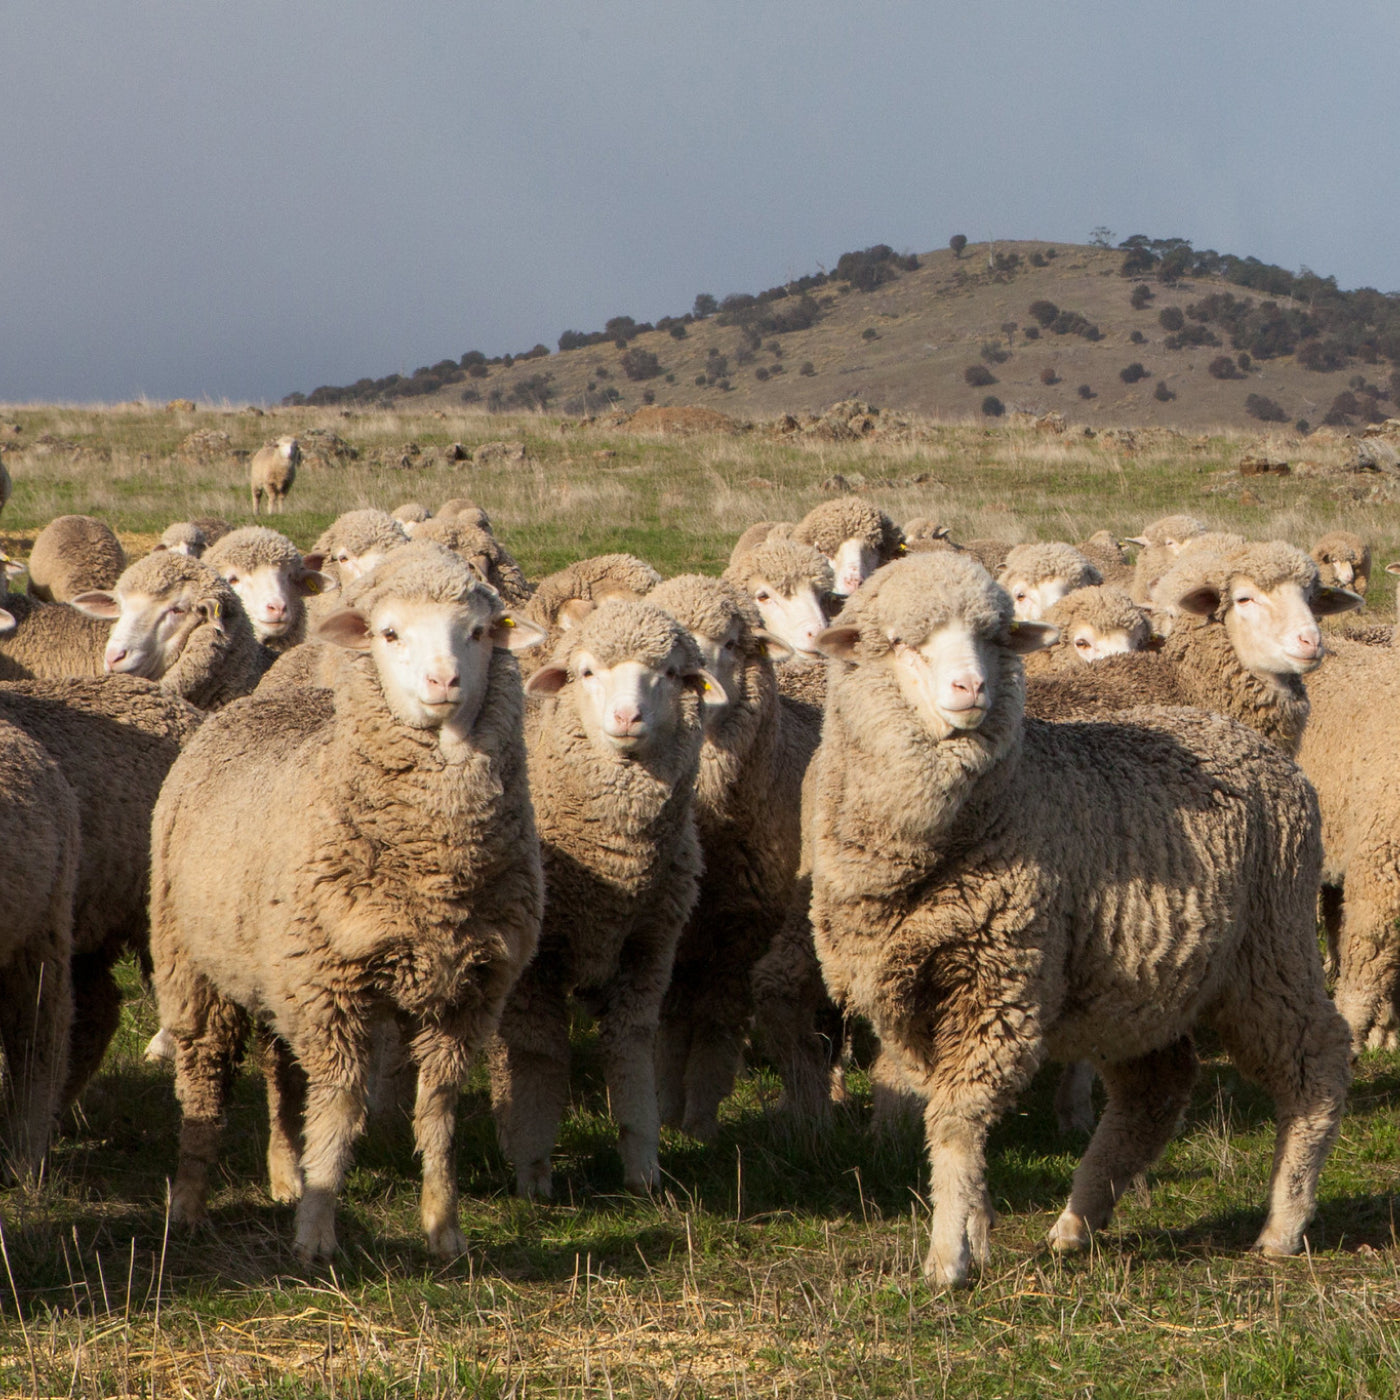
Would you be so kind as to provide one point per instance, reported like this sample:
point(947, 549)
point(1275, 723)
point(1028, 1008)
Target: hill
point(909, 341)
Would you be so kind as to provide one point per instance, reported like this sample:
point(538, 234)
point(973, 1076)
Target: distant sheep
point(271, 473)
point(353, 543)
point(991, 891)
point(184, 537)
point(1343, 559)
point(1106, 553)
point(483, 551)
point(1159, 544)
point(72, 554)
point(407, 888)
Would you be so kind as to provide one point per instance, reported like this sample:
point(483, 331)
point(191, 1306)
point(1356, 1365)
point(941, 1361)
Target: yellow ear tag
point(706, 684)
point(216, 612)
point(312, 586)
point(507, 622)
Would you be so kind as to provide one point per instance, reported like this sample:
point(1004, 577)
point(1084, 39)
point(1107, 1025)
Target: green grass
point(771, 1264)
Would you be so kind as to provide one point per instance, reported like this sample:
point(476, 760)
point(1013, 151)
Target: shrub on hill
point(808, 369)
point(1130, 374)
point(1323, 356)
point(957, 243)
point(1044, 312)
point(1138, 338)
point(1161, 393)
point(1264, 409)
point(992, 407)
point(979, 376)
point(1171, 318)
point(705, 305)
point(1085, 392)
point(1048, 375)
point(1142, 294)
point(640, 364)
point(1223, 367)
point(994, 354)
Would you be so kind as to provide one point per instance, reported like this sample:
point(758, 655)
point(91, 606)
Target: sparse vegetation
point(957, 243)
point(1171, 318)
point(1130, 374)
point(979, 376)
point(1162, 393)
point(1048, 375)
point(1264, 409)
point(992, 407)
point(1141, 296)
point(1223, 367)
point(1045, 312)
point(640, 364)
point(1086, 391)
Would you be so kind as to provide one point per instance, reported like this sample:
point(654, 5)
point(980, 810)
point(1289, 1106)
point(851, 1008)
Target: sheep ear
point(212, 609)
point(98, 602)
point(1393, 568)
point(572, 612)
point(1026, 637)
point(706, 685)
point(839, 642)
point(511, 634)
point(313, 563)
point(345, 628)
point(776, 648)
point(13, 568)
point(314, 582)
point(7, 622)
point(1330, 601)
point(548, 680)
point(1200, 602)
point(160, 547)
point(1141, 541)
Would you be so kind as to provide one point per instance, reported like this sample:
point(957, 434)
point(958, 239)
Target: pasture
point(772, 1263)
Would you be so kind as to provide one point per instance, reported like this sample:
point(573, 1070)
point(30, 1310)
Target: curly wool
point(1103, 607)
point(359, 532)
point(482, 549)
point(1341, 546)
point(185, 537)
point(1164, 539)
point(72, 554)
point(1108, 556)
point(590, 580)
point(1045, 560)
point(253, 547)
point(783, 564)
point(829, 525)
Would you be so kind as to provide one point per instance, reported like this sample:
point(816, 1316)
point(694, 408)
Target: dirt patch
point(658, 419)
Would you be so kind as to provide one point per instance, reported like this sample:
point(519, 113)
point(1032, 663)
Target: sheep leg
point(444, 1059)
point(1302, 1058)
point(38, 1000)
point(1369, 953)
point(672, 1053)
point(894, 1103)
point(97, 1010)
point(530, 1079)
point(1074, 1098)
point(956, 1135)
point(286, 1102)
point(335, 1117)
point(1146, 1097)
point(204, 1068)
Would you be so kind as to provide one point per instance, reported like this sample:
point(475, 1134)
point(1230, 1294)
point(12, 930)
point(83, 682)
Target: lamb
point(853, 536)
point(483, 551)
point(1038, 575)
point(614, 749)
point(747, 807)
point(1093, 623)
point(407, 890)
point(1348, 753)
point(272, 578)
point(178, 622)
point(39, 828)
point(114, 739)
point(991, 890)
point(1249, 639)
point(184, 537)
point(1160, 543)
point(72, 554)
point(353, 543)
point(1343, 559)
point(271, 472)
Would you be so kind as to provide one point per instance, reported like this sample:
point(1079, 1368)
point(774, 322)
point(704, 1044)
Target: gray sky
point(238, 199)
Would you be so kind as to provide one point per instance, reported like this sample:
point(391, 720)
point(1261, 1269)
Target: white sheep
point(72, 554)
point(1038, 575)
point(271, 472)
point(273, 579)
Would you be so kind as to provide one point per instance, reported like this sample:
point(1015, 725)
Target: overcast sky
point(239, 199)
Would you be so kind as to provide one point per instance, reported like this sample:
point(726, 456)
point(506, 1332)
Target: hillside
point(907, 344)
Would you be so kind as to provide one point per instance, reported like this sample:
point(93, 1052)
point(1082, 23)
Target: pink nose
point(626, 718)
point(1308, 643)
point(440, 684)
point(112, 659)
point(967, 691)
point(275, 611)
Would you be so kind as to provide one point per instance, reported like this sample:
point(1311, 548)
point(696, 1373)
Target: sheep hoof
point(1069, 1234)
point(535, 1183)
point(187, 1203)
point(644, 1183)
point(447, 1242)
point(704, 1128)
point(315, 1237)
point(1277, 1244)
point(284, 1183)
point(160, 1047)
point(946, 1273)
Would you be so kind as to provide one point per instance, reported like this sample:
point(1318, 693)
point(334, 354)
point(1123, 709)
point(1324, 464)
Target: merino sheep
point(353, 543)
point(468, 512)
point(408, 889)
point(40, 831)
point(1039, 575)
point(114, 739)
point(924, 530)
point(411, 515)
point(1160, 543)
point(1249, 637)
point(1093, 623)
point(1348, 751)
point(1344, 559)
point(748, 802)
point(178, 622)
point(991, 891)
point(271, 472)
point(183, 537)
point(212, 527)
point(1106, 553)
point(563, 599)
point(71, 555)
point(45, 639)
point(614, 745)
point(483, 551)
point(273, 578)
point(854, 536)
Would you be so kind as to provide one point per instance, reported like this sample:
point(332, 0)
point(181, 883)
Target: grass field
point(772, 1264)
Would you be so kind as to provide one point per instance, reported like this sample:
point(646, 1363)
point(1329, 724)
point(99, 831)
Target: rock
point(1375, 455)
point(205, 446)
point(500, 454)
point(180, 406)
point(1052, 422)
point(660, 418)
point(322, 448)
point(604, 454)
point(1263, 464)
point(457, 453)
point(1248, 498)
point(836, 485)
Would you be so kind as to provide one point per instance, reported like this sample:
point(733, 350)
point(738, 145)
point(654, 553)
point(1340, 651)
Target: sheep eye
point(389, 635)
point(1082, 644)
point(762, 596)
point(233, 580)
point(586, 673)
point(478, 632)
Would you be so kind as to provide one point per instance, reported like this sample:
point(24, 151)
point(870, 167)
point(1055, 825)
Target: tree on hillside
point(705, 305)
point(1101, 237)
point(957, 243)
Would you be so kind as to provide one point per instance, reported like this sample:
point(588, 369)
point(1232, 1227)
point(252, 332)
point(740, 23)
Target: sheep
point(563, 599)
point(1344, 559)
point(924, 530)
point(1348, 753)
point(614, 748)
point(1160, 543)
point(411, 515)
point(1250, 636)
point(44, 639)
point(408, 889)
point(72, 554)
point(271, 472)
point(991, 890)
point(40, 831)
point(212, 527)
point(1093, 623)
point(854, 537)
point(272, 578)
point(178, 622)
point(483, 551)
point(1037, 575)
point(114, 739)
point(1106, 553)
point(353, 543)
point(183, 537)
point(748, 798)
point(467, 512)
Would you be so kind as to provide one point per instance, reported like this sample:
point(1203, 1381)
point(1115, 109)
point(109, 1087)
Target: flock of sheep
point(387, 805)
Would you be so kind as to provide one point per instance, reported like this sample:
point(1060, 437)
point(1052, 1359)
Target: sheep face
point(433, 659)
point(796, 619)
point(290, 449)
point(854, 561)
point(725, 657)
point(150, 630)
point(1089, 643)
point(1031, 601)
point(272, 593)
